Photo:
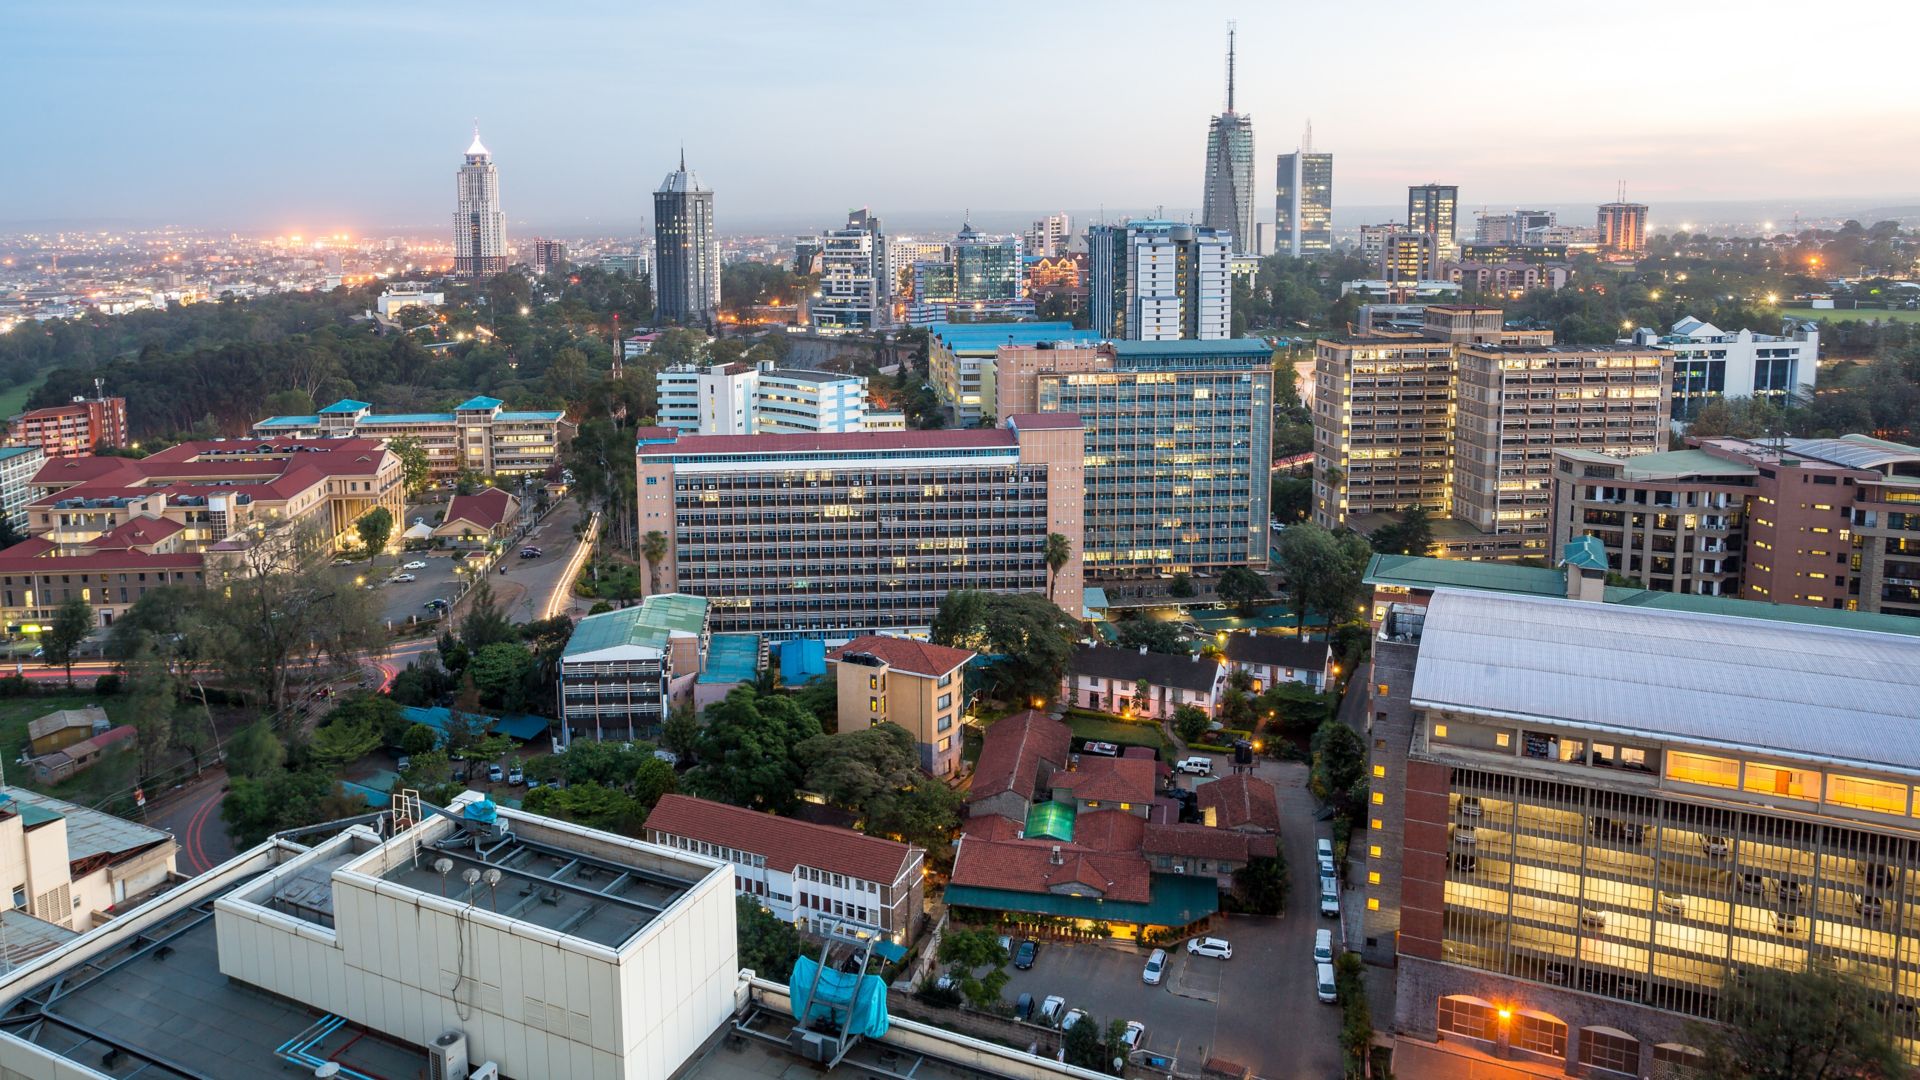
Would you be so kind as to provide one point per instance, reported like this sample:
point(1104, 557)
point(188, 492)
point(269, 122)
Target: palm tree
point(1059, 550)
point(654, 547)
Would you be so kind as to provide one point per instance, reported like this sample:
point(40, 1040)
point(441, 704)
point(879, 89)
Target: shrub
point(107, 685)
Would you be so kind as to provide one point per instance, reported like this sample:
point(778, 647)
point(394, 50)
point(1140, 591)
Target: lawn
point(14, 399)
point(114, 773)
point(1852, 314)
point(1114, 730)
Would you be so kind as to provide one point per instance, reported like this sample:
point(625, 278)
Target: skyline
point(374, 92)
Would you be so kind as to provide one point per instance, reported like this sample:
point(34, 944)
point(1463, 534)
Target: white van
point(1197, 765)
point(1324, 849)
point(1323, 946)
point(1323, 982)
point(1329, 898)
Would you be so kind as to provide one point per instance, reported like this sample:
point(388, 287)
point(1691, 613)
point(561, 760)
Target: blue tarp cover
point(520, 725)
point(832, 995)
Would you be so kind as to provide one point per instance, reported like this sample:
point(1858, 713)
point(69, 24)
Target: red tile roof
point(33, 557)
point(992, 827)
point(82, 470)
point(1109, 830)
point(1011, 753)
point(137, 532)
point(1028, 866)
point(1241, 801)
point(1201, 842)
point(1105, 779)
point(486, 508)
point(905, 654)
point(854, 441)
point(783, 841)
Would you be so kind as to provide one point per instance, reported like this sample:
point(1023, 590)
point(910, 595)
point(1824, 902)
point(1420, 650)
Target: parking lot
point(400, 601)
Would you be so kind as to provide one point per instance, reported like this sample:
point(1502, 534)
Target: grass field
point(1852, 315)
point(14, 400)
point(114, 772)
point(1119, 731)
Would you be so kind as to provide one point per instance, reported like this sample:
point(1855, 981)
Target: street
point(193, 817)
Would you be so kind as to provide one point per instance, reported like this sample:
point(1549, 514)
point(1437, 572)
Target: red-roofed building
point(798, 869)
point(1044, 866)
point(910, 683)
point(1124, 784)
point(1242, 802)
point(75, 429)
point(1018, 757)
point(1197, 849)
point(478, 518)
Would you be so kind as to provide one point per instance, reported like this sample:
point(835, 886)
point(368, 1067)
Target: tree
point(965, 951)
point(820, 696)
point(654, 547)
point(375, 528)
point(278, 613)
point(255, 751)
point(855, 770)
point(1812, 1023)
point(767, 945)
point(595, 806)
point(747, 749)
point(1243, 588)
point(419, 739)
point(257, 808)
point(1292, 498)
point(72, 622)
point(1190, 722)
point(1030, 639)
point(152, 702)
point(1323, 571)
point(1084, 1046)
point(415, 470)
point(484, 623)
point(1292, 708)
point(1261, 885)
point(681, 732)
point(500, 671)
point(1059, 551)
point(1181, 587)
point(924, 813)
point(1339, 763)
point(1153, 635)
point(1411, 535)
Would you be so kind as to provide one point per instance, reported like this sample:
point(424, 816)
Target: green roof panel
point(651, 623)
point(1176, 900)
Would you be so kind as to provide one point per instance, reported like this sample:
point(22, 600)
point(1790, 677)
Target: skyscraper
point(1303, 201)
point(1227, 204)
point(1623, 226)
point(854, 280)
point(686, 258)
point(1159, 281)
point(479, 228)
point(1430, 209)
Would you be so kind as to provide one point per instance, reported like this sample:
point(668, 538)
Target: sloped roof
point(1028, 866)
point(1201, 842)
point(1011, 752)
point(1190, 672)
point(1106, 779)
point(485, 508)
point(137, 532)
point(784, 842)
point(62, 719)
point(652, 623)
point(1275, 650)
point(1240, 801)
point(905, 654)
point(1109, 830)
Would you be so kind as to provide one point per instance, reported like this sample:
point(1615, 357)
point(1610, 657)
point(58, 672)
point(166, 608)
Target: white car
point(1196, 765)
point(1324, 985)
point(1050, 1009)
point(1073, 1017)
point(1156, 968)
point(1218, 948)
point(403, 578)
point(1135, 1034)
point(1323, 946)
point(414, 565)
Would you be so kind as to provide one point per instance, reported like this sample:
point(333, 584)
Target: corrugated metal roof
point(652, 624)
point(1854, 451)
point(89, 832)
point(1820, 693)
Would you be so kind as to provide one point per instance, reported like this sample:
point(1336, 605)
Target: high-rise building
point(1303, 201)
point(18, 466)
point(1178, 446)
point(479, 226)
point(541, 255)
point(975, 278)
point(835, 536)
point(854, 280)
point(1408, 255)
point(1623, 227)
point(741, 399)
point(75, 429)
point(686, 285)
point(962, 358)
point(1431, 209)
point(1509, 228)
point(1160, 281)
point(1227, 203)
point(1048, 236)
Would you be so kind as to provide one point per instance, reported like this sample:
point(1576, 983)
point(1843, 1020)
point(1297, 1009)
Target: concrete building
point(1710, 363)
point(74, 867)
point(1509, 229)
point(976, 278)
point(835, 536)
point(1159, 281)
point(75, 429)
point(1111, 680)
point(1408, 257)
point(543, 256)
point(1227, 197)
point(855, 291)
point(1673, 520)
point(622, 670)
point(479, 226)
point(1271, 659)
point(479, 519)
point(18, 466)
point(1623, 228)
point(917, 686)
point(742, 399)
point(961, 360)
point(686, 282)
point(811, 875)
point(405, 294)
point(1048, 237)
point(1510, 279)
point(480, 435)
point(1178, 448)
point(1587, 816)
point(1303, 201)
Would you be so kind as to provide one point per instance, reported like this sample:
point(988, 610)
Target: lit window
point(1373, 903)
point(1864, 794)
point(1501, 738)
point(1373, 851)
point(1782, 780)
point(1379, 798)
point(1375, 824)
point(1373, 877)
point(1702, 769)
point(1439, 731)
point(1379, 770)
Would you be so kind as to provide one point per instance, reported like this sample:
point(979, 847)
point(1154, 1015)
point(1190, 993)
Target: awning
point(1176, 900)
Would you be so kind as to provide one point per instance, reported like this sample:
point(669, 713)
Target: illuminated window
point(1502, 738)
point(1379, 770)
point(1381, 689)
point(1701, 769)
point(1373, 851)
point(1781, 780)
point(1379, 798)
point(1863, 794)
point(1375, 824)
point(1439, 731)
point(1373, 877)
point(1373, 903)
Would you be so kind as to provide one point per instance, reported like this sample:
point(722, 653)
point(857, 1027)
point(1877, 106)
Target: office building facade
point(1227, 200)
point(1048, 237)
point(479, 225)
point(962, 360)
point(1433, 209)
point(742, 399)
point(1710, 363)
point(1303, 201)
point(479, 435)
point(976, 278)
point(1623, 228)
point(18, 466)
point(836, 536)
point(76, 429)
point(855, 287)
point(1178, 443)
point(686, 286)
point(620, 670)
point(542, 256)
point(1382, 426)
point(1160, 281)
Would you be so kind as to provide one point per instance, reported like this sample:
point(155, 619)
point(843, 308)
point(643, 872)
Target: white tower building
point(479, 228)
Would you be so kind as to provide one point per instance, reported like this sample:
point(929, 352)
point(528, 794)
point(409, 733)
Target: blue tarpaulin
point(801, 660)
point(519, 726)
point(834, 993)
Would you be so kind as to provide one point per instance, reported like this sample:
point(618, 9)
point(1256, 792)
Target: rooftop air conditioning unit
point(447, 1057)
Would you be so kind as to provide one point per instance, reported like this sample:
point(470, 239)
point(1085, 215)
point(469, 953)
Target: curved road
point(194, 821)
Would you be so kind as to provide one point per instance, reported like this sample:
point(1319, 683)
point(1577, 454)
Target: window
point(1373, 851)
point(1782, 780)
point(946, 680)
point(1863, 794)
point(946, 701)
point(1439, 731)
point(946, 744)
point(1373, 903)
point(873, 704)
point(1701, 769)
point(1379, 770)
point(1373, 877)
point(1605, 1048)
point(1538, 1033)
point(1375, 824)
point(19, 898)
point(1467, 1016)
point(1379, 798)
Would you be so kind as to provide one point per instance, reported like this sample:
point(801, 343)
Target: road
point(193, 817)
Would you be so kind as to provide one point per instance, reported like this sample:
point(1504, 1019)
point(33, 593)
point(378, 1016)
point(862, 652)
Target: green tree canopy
point(254, 751)
point(858, 768)
point(375, 528)
point(415, 469)
point(1339, 765)
point(747, 750)
point(501, 671)
point(1411, 535)
point(1323, 571)
point(1243, 588)
point(1812, 1023)
point(1029, 638)
point(72, 622)
point(767, 945)
point(1154, 635)
point(1261, 885)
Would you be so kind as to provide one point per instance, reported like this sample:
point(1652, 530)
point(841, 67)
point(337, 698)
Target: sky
point(302, 115)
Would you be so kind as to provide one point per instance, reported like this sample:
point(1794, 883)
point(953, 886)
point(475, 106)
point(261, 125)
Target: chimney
point(1056, 858)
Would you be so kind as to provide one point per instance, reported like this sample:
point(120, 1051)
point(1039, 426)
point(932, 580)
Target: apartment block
point(480, 435)
point(1514, 405)
point(621, 670)
point(744, 399)
point(1382, 426)
point(77, 428)
point(836, 536)
point(1160, 281)
point(1588, 816)
point(1710, 363)
point(18, 466)
point(912, 684)
point(961, 359)
point(1178, 442)
point(1675, 520)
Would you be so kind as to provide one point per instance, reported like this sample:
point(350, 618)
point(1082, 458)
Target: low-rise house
point(1018, 755)
point(77, 757)
point(69, 865)
point(882, 679)
point(62, 728)
point(478, 519)
point(1199, 850)
point(1142, 683)
point(1270, 659)
point(1240, 803)
point(1105, 783)
point(804, 873)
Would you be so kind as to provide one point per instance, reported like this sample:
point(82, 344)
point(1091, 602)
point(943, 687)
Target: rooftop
point(1253, 347)
point(486, 508)
point(1277, 650)
point(1240, 801)
point(650, 624)
point(1011, 752)
point(1187, 672)
point(986, 337)
point(852, 442)
point(1042, 421)
point(786, 843)
point(904, 654)
point(1667, 463)
point(1811, 692)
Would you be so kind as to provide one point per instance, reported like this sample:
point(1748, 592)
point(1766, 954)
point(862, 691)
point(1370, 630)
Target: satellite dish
point(471, 876)
point(492, 876)
point(442, 866)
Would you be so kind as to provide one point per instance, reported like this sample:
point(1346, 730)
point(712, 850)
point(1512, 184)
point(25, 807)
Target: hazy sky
point(281, 114)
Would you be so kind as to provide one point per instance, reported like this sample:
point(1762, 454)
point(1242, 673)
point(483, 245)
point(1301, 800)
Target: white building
point(18, 464)
point(1269, 659)
point(69, 866)
point(740, 399)
point(406, 294)
point(1048, 236)
point(479, 226)
point(1160, 281)
point(1709, 363)
point(799, 870)
point(854, 278)
point(1112, 680)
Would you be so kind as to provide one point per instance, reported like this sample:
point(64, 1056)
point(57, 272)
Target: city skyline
point(337, 81)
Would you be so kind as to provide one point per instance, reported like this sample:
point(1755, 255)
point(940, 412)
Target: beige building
point(920, 687)
point(1674, 520)
point(69, 865)
point(480, 435)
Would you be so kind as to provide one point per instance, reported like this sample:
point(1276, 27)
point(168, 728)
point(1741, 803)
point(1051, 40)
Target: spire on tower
point(1306, 140)
point(1231, 26)
point(683, 157)
point(477, 147)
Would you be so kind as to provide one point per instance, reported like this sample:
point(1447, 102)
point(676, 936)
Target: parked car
point(1870, 907)
point(1786, 922)
point(1465, 835)
point(1670, 903)
point(1329, 897)
point(1716, 847)
point(516, 776)
point(403, 763)
point(1156, 968)
point(1323, 946)
point(1878, 874)
point(495, 774)
point(1104, 749)
point(417, 564)
point(1073, 1017)
point(435, 604)
point(1324, 986)
point(1135, 1034)
point(1791, 892)
point(1196, 765)
point(1593, 920)
point(403, 578)
point(1751, 883)
point(1050, 1009)
point(1024, 956)
point(1218, 948)
point(530, 552)
point(533, 782)
point(1466, 862)
point(1469, 806)
point(1023, 1007)
point(1323, 848)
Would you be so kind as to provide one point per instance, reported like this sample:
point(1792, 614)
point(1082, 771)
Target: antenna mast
point(1231, 27)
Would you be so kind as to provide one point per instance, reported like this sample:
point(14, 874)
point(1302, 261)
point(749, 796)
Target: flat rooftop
point(744, 1058)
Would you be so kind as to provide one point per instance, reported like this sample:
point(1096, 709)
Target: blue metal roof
point(14, 451)
point(480, 401)
point(289, 421)
point(537, 415)
point(1185, 347)
point(985, 337)
point(519, 726)
point(346, 405)
point(408, 418)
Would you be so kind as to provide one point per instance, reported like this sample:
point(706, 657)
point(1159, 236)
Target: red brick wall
point(1424, 860)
